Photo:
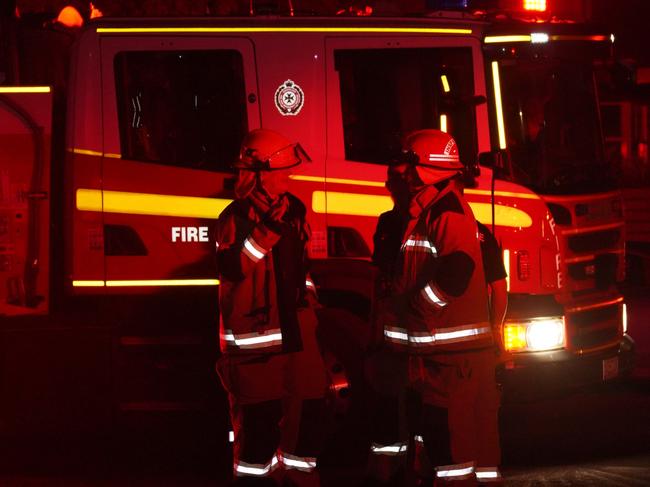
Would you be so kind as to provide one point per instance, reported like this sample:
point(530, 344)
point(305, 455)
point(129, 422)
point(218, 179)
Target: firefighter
point(495, 278)
point(439, 315)
point(270, 364)
point(385, 370)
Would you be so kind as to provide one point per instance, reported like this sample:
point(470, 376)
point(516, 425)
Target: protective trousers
point(465, 385)
point(387, 376)
point(277, 410)
point(453, 429)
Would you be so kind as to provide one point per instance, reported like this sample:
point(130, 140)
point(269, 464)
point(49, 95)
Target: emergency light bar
point(541, 38)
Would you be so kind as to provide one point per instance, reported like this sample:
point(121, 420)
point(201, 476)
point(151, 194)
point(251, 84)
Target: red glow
point(95, 13)
point(535, 5)
point(365, 11)
point(70, 17)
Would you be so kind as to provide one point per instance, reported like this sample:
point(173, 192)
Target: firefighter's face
point(397, 183)
point(275, 183)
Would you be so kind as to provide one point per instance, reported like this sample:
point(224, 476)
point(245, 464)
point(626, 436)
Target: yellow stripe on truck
point(146, 283)
point(504, 216)
point(332, 202)
point(24, 89)
point(245, 30)
point(150, 204)
point(356, 204)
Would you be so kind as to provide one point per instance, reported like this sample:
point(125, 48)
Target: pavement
point(599, 436)
point(631, 471)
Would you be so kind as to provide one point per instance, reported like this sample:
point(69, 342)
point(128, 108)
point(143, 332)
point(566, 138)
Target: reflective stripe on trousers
point(244, 469)
point(488, 474)
point(458, 471)
point(390, 450)
point(304, 464)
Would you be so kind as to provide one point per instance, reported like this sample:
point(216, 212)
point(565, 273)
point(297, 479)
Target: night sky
point(628, 19)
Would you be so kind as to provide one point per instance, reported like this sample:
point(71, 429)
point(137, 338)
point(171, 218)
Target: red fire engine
point(155, 113)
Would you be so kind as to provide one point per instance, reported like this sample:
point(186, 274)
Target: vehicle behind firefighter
point(118, 290)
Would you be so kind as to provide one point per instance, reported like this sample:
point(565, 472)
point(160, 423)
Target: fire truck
point(106, 255)
point(625, 109)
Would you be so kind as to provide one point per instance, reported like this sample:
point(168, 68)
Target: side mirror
point(498, 161)
point(487, 159)
point(478, 100)
point(470, 173)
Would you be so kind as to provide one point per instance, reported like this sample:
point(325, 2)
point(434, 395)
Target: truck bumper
point(544, 373)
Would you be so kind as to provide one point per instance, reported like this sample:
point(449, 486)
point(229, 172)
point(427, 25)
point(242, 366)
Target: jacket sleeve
point(240, 247)
point(311, 294)
point(450, 274)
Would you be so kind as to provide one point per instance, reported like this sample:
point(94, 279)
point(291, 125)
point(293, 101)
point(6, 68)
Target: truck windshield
point(552, 125)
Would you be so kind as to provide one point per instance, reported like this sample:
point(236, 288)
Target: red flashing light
point(365, 11)
point(95, 13)
point(535, 5)
point(70, 17)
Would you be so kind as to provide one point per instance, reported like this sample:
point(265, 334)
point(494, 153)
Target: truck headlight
point(534, 335)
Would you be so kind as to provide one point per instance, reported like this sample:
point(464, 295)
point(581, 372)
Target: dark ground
point(599, 436)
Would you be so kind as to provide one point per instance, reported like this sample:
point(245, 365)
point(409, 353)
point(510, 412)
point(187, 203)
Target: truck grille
point(593, 328)
point(602, 269)
point(592, 242)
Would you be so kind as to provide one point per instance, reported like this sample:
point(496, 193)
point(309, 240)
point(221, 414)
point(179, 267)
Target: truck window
point(181, 108)
point(387, 93)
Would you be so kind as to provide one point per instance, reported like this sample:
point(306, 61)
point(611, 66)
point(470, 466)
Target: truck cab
point(546, 115)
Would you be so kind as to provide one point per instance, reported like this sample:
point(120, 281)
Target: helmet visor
point(284, 158)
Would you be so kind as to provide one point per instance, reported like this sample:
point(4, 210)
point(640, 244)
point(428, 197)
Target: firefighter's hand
point(312, 300)
point(278, 209)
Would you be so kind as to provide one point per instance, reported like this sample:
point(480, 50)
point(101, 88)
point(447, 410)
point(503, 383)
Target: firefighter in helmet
point(438, 317)
point(270, 364)
point(385, 370)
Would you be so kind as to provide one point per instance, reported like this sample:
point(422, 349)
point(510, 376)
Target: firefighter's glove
point(276, 211)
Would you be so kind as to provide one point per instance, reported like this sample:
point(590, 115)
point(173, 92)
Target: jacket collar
point(426, 196)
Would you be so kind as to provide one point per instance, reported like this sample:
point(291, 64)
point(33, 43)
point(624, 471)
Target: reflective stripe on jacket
point(439, 300)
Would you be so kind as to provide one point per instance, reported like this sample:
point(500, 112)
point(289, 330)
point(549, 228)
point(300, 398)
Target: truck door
point(380, 89)
point(25, 140)
point(174, 112)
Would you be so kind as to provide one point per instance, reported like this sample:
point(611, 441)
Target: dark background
point(627, 19)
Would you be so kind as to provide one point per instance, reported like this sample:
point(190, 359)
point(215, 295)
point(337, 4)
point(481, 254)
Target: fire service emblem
point(289, 98)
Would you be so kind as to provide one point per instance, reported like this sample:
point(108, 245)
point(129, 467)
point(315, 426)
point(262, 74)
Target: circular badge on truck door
point(289, 98)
